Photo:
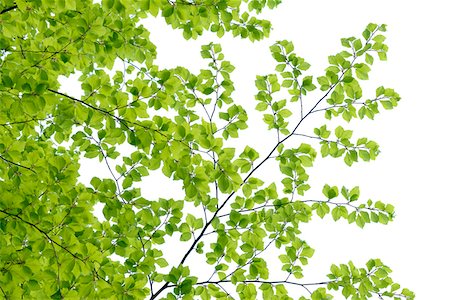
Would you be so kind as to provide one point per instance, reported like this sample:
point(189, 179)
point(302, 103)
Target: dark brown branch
point(122, 121)
point(97, 276)
point(5, 10)
point(105, 112)
point(16, 164)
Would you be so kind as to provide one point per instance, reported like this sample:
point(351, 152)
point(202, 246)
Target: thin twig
point(262, 282)
point(44, 233)
point(3, 292)
point(329, 141)
point(16, 164)
point(5, 10)
point(144, 252)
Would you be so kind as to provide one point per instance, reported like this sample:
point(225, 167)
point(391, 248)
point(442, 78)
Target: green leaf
point(162, 141)
point(168, 11)
point(330, 192)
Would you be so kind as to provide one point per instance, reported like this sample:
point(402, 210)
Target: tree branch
point(150, 281)
point(192, 247)
point(105, 112)
point(5, 10)
point(364, 103)
point(105, 157)
point(330, 141)
point(216, 90)
point(23, 122)
point(43, 232)
point(16, 164)
point(58, 274)
point(122, 121)
point(3, 292)
point(255, 254)
point(304, 285)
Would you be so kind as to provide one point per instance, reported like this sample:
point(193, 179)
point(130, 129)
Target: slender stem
point(43, 232)
point(159, 227)
point(105, 157)
point(64, 218)
point(299, 86)
point(23, 122)
point(226, 125)
point(223, 289)
point(217, 83)
point(255, 254)
point(345, 204)
point(275, 116)
point(16, 164)
point(150, 281)
point(58, 275)
point(3, 292)
point(365, 103)
point(329, 141)
point(55, 53)
point(263, 281)
point(120, 120)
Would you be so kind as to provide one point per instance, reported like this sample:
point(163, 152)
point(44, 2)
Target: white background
point(412, 169)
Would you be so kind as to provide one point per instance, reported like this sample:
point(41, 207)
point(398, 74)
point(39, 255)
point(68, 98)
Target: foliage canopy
point(52, 245)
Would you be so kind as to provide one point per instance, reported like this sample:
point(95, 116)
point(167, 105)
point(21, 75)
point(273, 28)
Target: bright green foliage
point(177, 123)
point(361, 283)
